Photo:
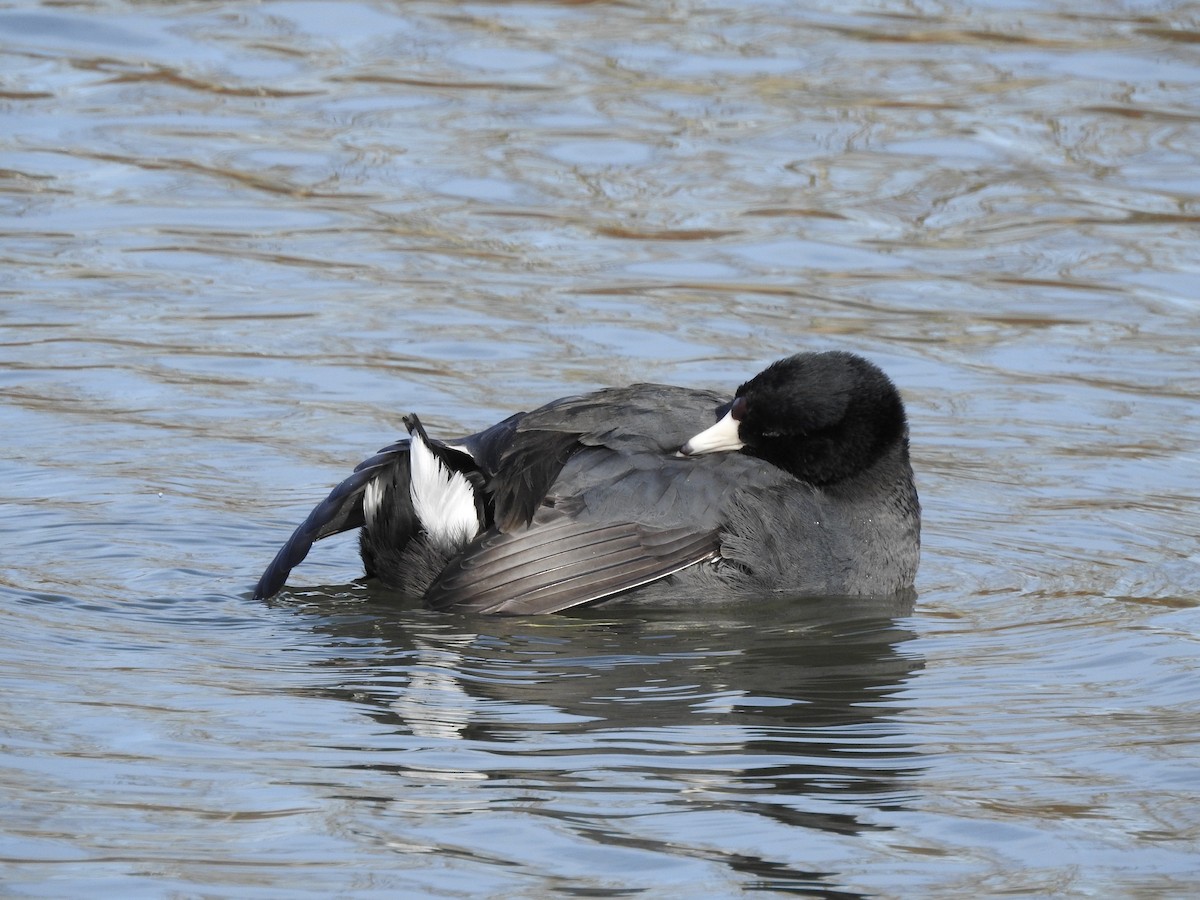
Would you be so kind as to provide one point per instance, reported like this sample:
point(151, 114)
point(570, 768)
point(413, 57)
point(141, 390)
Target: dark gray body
point(773, 533)
point(588, 500)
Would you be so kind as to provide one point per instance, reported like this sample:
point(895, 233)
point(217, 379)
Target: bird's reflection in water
point(786, 709)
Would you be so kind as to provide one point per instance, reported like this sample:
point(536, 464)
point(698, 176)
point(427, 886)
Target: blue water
point(239, 241)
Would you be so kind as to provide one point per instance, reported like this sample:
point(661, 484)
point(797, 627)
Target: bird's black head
point(823, 417)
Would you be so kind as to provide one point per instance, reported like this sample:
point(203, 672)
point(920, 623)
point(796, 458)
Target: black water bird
point(803, 485)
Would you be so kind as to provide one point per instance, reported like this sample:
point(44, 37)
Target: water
point(239, 241)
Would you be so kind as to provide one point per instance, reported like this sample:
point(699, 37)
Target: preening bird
point(799, 483)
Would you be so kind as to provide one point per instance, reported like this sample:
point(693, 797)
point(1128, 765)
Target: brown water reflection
point(238, 241)
point(776, 717)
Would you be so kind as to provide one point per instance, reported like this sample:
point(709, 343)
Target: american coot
point(802, 485)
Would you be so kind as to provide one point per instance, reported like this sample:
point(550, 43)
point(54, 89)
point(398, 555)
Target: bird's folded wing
point(558, 563)
point(341, 511)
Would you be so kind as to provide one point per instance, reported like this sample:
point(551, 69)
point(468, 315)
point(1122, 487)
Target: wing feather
point(341, 511)
point(559, 563)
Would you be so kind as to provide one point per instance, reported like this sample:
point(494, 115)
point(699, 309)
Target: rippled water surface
point(239, 240)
